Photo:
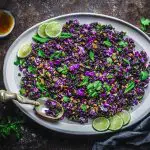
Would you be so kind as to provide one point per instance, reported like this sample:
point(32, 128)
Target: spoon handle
point(7, 96)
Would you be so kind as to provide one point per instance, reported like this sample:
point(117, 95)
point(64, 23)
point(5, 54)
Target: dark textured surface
point(30, 12)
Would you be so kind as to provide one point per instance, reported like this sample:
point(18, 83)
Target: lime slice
point(125, 115)
point(53, 29)
point(41, 30)
point(25, 50)
point(115, 123)
point(101, 124)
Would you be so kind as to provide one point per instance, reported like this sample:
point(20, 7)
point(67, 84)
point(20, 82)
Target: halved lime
point(25, 50)
point(116, 123)
point(125, 115)
point(53, 29)
point(101, 124)
point(41, 30)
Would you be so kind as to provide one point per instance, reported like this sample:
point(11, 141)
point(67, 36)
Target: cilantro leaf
point(129, 86)
point(107, 43)
point(144, 75)
point(84, 107)
point(32, 69)
point(37, 38)
point(85, 81)
point(126, 60)
point(41, 53)
point(109, 60)
point(66, 99)
point(145, 21)
point(91, 54)
point(123, 43)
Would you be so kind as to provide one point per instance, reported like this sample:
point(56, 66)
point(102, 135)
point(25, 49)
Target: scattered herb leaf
point(91, 54)
point(144, 75)
point(130, 86)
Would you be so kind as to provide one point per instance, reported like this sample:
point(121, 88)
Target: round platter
point(11, 80)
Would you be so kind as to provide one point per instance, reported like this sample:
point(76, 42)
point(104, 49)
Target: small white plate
point(11, 79)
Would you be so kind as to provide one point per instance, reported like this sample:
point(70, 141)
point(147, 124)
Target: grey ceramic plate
point(11, 79)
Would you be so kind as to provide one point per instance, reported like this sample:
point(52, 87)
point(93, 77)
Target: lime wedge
point(125, 115)
point(25, 50)
point(115, 123)
point(53, 29)
point(41, 30)
point(101, 124)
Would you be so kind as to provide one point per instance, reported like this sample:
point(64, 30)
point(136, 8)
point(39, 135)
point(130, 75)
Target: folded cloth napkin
point(135, 137)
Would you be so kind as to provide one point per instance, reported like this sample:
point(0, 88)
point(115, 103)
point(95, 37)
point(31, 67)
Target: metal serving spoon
point(40, 106)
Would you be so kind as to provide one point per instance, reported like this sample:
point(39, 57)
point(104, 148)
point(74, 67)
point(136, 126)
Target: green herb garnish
point(57, 54)
point(9, 126)
point(22, 91)
point(41, 53)
point(91, 55)
point(107, 43)
point(19, 61)
point(119, 49)
point(65, 35)
point(37, 38)
point(126, 60)
point(123, 43)
point(66, 99)
point(109, 60)
point(145, 23)
point(93, 88)
point(41, 86)
point(144, 75)
point(84, 81)
point(99, 27)
point(63, 70)
point(129, 87)
point(107, 87)
point(32, 69)
point(84, 107)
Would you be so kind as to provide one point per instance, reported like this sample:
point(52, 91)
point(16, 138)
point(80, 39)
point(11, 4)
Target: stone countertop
point(29, 12)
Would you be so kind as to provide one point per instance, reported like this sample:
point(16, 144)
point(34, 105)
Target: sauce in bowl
point(6, 23)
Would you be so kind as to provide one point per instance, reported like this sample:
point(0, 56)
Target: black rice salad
point(93, 70)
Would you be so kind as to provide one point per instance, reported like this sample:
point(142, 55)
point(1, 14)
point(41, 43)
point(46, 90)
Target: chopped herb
point(130, 86)
point(65, 35)
point(85, 81)
point(110, 76)
point(19, 61)
point(107, 43)
point(41, 53)
point(8, 126)
point(145, 23)
point(107, 87)
point(84, 107)
point(32, 69)
point(123, 43)
point(57, 55)
point(66, 99)
point(91, 54)
point(99, 27)
point(22, 91)
point(97, 84)
point(63, 70)
point(126, 60)
point(41, 86)
point(109, 60)
point(90, 85)
point(144, 75)
point(94, 94)
point(39, 39)
point(119, 49)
